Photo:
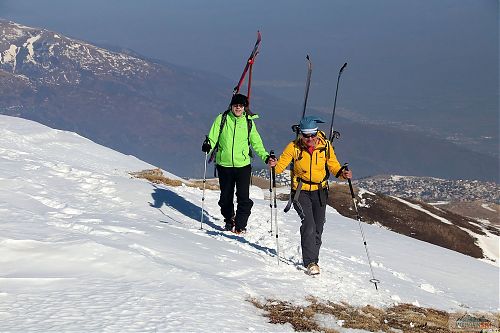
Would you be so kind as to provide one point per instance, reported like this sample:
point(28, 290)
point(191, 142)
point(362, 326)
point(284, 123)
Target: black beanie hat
point(239, 99)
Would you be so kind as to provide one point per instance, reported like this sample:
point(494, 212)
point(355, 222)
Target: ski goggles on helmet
point(309, 135)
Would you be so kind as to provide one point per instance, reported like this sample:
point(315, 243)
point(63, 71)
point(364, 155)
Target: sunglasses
point(308, 136)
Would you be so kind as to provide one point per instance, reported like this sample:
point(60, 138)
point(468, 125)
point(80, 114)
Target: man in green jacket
point(233, 159)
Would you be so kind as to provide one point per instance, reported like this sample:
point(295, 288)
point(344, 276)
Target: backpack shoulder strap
point(249, 127)
point(327, 172)
point(221, 127)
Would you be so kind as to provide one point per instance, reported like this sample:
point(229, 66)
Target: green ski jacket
point(233, 150)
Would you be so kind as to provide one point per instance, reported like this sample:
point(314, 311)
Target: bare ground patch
point(156, 176)
point(476, 209)
point(399, 318)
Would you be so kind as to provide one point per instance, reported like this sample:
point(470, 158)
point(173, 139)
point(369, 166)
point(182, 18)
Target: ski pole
point(332, 132)
point(271, 153)
point(273, 174)
point(203, 197)
point(373, 279)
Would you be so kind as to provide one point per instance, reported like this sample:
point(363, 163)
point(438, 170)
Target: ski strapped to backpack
point(295, 128)
point(335, 134)
point(248, 69)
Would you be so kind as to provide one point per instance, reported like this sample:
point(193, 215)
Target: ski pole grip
point(270, 156)
point(344, 167)
point(273, 170)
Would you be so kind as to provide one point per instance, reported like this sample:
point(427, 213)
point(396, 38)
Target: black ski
point(295, 128)
point(335, 134)
point(308, 84)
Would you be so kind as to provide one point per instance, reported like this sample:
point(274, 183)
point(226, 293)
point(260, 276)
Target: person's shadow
point(164, 196)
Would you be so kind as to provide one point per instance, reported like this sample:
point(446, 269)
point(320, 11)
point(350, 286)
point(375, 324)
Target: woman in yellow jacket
point(313, 160)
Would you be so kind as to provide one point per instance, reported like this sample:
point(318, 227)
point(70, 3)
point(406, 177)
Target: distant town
point(432, 189)
point(427, 189)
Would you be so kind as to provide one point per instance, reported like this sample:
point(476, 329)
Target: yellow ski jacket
point(311, 168)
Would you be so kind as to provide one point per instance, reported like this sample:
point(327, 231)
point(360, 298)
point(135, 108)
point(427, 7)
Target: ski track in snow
point(84, 247)
point(417, 207)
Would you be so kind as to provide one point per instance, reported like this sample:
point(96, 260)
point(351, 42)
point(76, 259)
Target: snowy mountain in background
point(117, 98)
point(146, 107)
point(85, 247)
point(60, 56)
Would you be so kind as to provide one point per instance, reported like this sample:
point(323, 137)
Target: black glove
point(206, 147)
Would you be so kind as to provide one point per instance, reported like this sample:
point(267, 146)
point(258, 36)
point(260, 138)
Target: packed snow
point(85, 247)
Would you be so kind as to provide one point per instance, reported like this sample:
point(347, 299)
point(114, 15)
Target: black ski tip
point(343, 67)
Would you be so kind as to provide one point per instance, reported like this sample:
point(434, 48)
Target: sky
point(419, 62)
point(85, 247)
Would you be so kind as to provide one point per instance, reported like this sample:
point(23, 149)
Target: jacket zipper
point(310, 169)
point(232, 148)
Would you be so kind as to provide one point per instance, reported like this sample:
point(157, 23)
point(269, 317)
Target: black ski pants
point(229, 178)
point(311, 206)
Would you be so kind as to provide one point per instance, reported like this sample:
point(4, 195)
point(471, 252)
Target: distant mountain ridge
point(118, 99)
point(160, 112)
point(58, 58)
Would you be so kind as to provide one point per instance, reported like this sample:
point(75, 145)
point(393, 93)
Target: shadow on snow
point(171, 199)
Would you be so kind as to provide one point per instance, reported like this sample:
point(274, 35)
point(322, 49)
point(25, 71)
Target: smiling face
point(237, 109)
point(309, 140)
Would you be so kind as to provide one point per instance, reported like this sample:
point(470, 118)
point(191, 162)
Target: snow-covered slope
point(84, 248)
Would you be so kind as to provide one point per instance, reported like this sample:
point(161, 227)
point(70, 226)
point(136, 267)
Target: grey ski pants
point(313, 208)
